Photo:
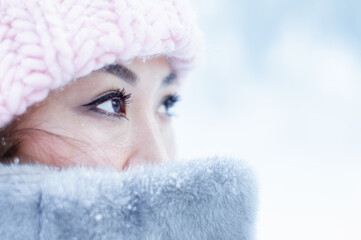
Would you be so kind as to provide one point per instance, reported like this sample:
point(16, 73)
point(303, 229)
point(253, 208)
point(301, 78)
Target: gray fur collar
point(201, 199)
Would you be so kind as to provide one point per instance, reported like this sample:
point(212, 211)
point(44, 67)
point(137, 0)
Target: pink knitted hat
point(44, 44)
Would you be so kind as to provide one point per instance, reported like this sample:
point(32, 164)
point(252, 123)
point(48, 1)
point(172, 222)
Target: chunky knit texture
point(44, 44)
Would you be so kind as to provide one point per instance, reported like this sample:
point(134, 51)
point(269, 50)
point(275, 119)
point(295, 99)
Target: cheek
point(48, 149)
point(61, 151)
point(169, 140)
point(71, 139)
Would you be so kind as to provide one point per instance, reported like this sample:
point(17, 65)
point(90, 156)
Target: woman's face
point(118, 116)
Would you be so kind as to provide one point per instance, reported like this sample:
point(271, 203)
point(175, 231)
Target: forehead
point(139, 70)
point(158, 67)
point(152, 73)
point(153, 76)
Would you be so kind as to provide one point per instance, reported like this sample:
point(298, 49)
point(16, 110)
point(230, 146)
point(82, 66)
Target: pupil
point(168, 103)
point(116, 105)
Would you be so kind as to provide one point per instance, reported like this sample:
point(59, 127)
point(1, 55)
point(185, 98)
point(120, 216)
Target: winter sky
point(281, 89)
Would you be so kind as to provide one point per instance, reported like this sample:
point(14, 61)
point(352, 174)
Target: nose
point(148, 146)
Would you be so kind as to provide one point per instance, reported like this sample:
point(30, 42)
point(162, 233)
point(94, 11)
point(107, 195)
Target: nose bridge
point(147, 142)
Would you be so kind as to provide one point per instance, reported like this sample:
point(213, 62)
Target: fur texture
point(201, 199)
point(44, 44)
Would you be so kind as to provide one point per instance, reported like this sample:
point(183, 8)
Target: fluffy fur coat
point(202, 199)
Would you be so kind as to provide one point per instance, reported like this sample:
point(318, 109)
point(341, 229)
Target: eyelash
point(168, 103)
point(113, 95)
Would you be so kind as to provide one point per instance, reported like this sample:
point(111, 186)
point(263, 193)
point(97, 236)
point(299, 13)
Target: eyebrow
point(121, 72)
point(131, 77)
point(169, 80)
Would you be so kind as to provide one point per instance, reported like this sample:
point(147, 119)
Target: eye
point(112, 104)
point(167, 105)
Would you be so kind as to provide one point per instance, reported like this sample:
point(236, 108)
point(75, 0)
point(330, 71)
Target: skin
point(67, 133)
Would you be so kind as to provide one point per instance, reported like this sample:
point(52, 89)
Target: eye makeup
point(167, 105)
point(112, 103)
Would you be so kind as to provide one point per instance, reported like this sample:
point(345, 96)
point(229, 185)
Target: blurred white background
point(281, 89)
